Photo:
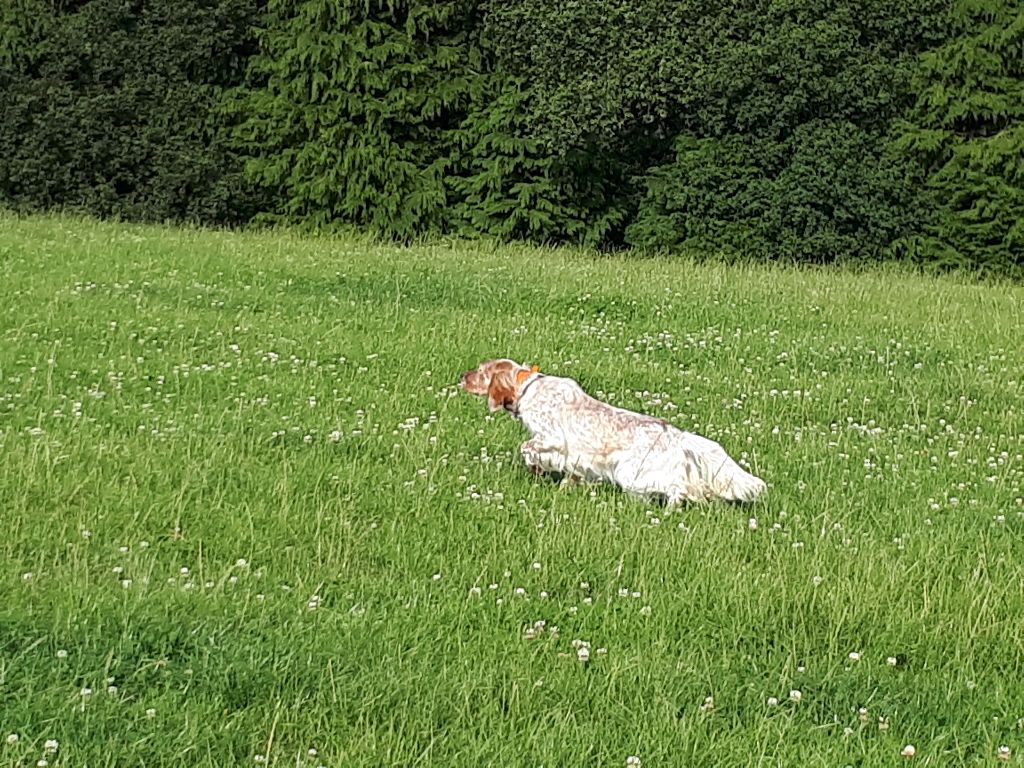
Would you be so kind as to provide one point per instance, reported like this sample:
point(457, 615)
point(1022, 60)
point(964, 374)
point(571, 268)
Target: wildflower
point(42, 762)
point(62, 654)
point(150, 713)
point(51, 745)
point(752, 523)
point(908, 751)
point(891, 661)
point(1003, 753)
point(709, 704)
point(854, 656)
point(583, 654)
point(12, 738)
point(772, 701)
point(86, 693)
point(633, 761)
point(862, 714)
point(645, 611)
point(795, 696)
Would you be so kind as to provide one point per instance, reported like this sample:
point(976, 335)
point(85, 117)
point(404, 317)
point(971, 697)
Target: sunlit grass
point(248, 518)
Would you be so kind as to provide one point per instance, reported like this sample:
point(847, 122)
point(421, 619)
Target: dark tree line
point(807, 130)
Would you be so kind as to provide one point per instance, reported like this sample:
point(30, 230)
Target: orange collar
point(524, 375)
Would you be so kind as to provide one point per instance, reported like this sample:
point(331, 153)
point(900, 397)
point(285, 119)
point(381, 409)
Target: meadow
point(249, 519)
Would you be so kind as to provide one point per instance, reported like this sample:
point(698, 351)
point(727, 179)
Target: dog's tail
point(731, 482)
point(735, 484)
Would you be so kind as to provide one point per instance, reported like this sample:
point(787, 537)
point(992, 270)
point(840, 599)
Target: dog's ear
point(501, 393)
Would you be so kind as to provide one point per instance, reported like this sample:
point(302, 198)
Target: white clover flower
point(645, 611)
point(772, 701)
point(62, 654)
point(633, 761)
point(752, 524)
point(854, 656)
point(1003, 753)
point(13, 738)
point(583, 654)
point(908, 751)
point(150, 713)
point(891, 661)
point(51, 745)
point(795, 696)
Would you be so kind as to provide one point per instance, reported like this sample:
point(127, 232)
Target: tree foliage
point(809, 130)
point(966, 135)
point(114, 107)
point(359, 108)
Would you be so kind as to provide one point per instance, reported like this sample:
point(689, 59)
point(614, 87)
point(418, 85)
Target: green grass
point(277, 415)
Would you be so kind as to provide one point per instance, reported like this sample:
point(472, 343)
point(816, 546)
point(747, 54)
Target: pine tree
point(966, 132)
point(361, 99)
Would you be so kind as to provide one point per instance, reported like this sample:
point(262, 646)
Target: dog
point(583, 439)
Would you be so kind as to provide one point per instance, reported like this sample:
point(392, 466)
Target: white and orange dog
point(581, 438)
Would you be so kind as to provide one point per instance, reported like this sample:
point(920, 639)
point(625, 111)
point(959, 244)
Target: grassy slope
point(167, 401)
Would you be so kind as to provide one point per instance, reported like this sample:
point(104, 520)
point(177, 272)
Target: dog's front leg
point(541, 460)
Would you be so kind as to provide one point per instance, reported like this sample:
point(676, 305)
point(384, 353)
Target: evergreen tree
point(357, 116)
point(966, 132)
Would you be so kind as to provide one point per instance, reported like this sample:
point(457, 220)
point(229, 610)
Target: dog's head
point(500, 380)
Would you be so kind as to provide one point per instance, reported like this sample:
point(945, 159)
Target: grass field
point(249, 519)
